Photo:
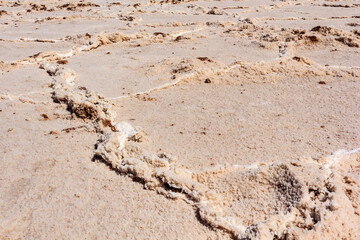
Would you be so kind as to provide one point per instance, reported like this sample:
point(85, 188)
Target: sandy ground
point(180, 119)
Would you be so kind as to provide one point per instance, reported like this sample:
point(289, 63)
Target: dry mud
point(176, 119)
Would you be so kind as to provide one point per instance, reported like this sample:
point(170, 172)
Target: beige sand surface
point(174, 119)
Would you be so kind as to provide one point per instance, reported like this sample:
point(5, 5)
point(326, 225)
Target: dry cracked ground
point(180, 119)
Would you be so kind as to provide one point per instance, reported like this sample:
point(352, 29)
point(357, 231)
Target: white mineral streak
point(22, 97)
point(185, 32)
point(166, 85)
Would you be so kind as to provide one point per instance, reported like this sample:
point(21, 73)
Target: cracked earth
point(180, 119)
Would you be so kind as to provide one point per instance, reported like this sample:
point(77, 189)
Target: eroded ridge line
point(97, 41)
point(307, 63)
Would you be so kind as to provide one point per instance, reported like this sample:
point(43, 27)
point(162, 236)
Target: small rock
point(44, 117)
point(62, 62)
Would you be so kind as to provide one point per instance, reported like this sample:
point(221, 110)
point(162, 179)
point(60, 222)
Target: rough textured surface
point(175, 119)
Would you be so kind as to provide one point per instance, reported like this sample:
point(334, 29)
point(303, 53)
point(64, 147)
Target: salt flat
point(180, 119)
